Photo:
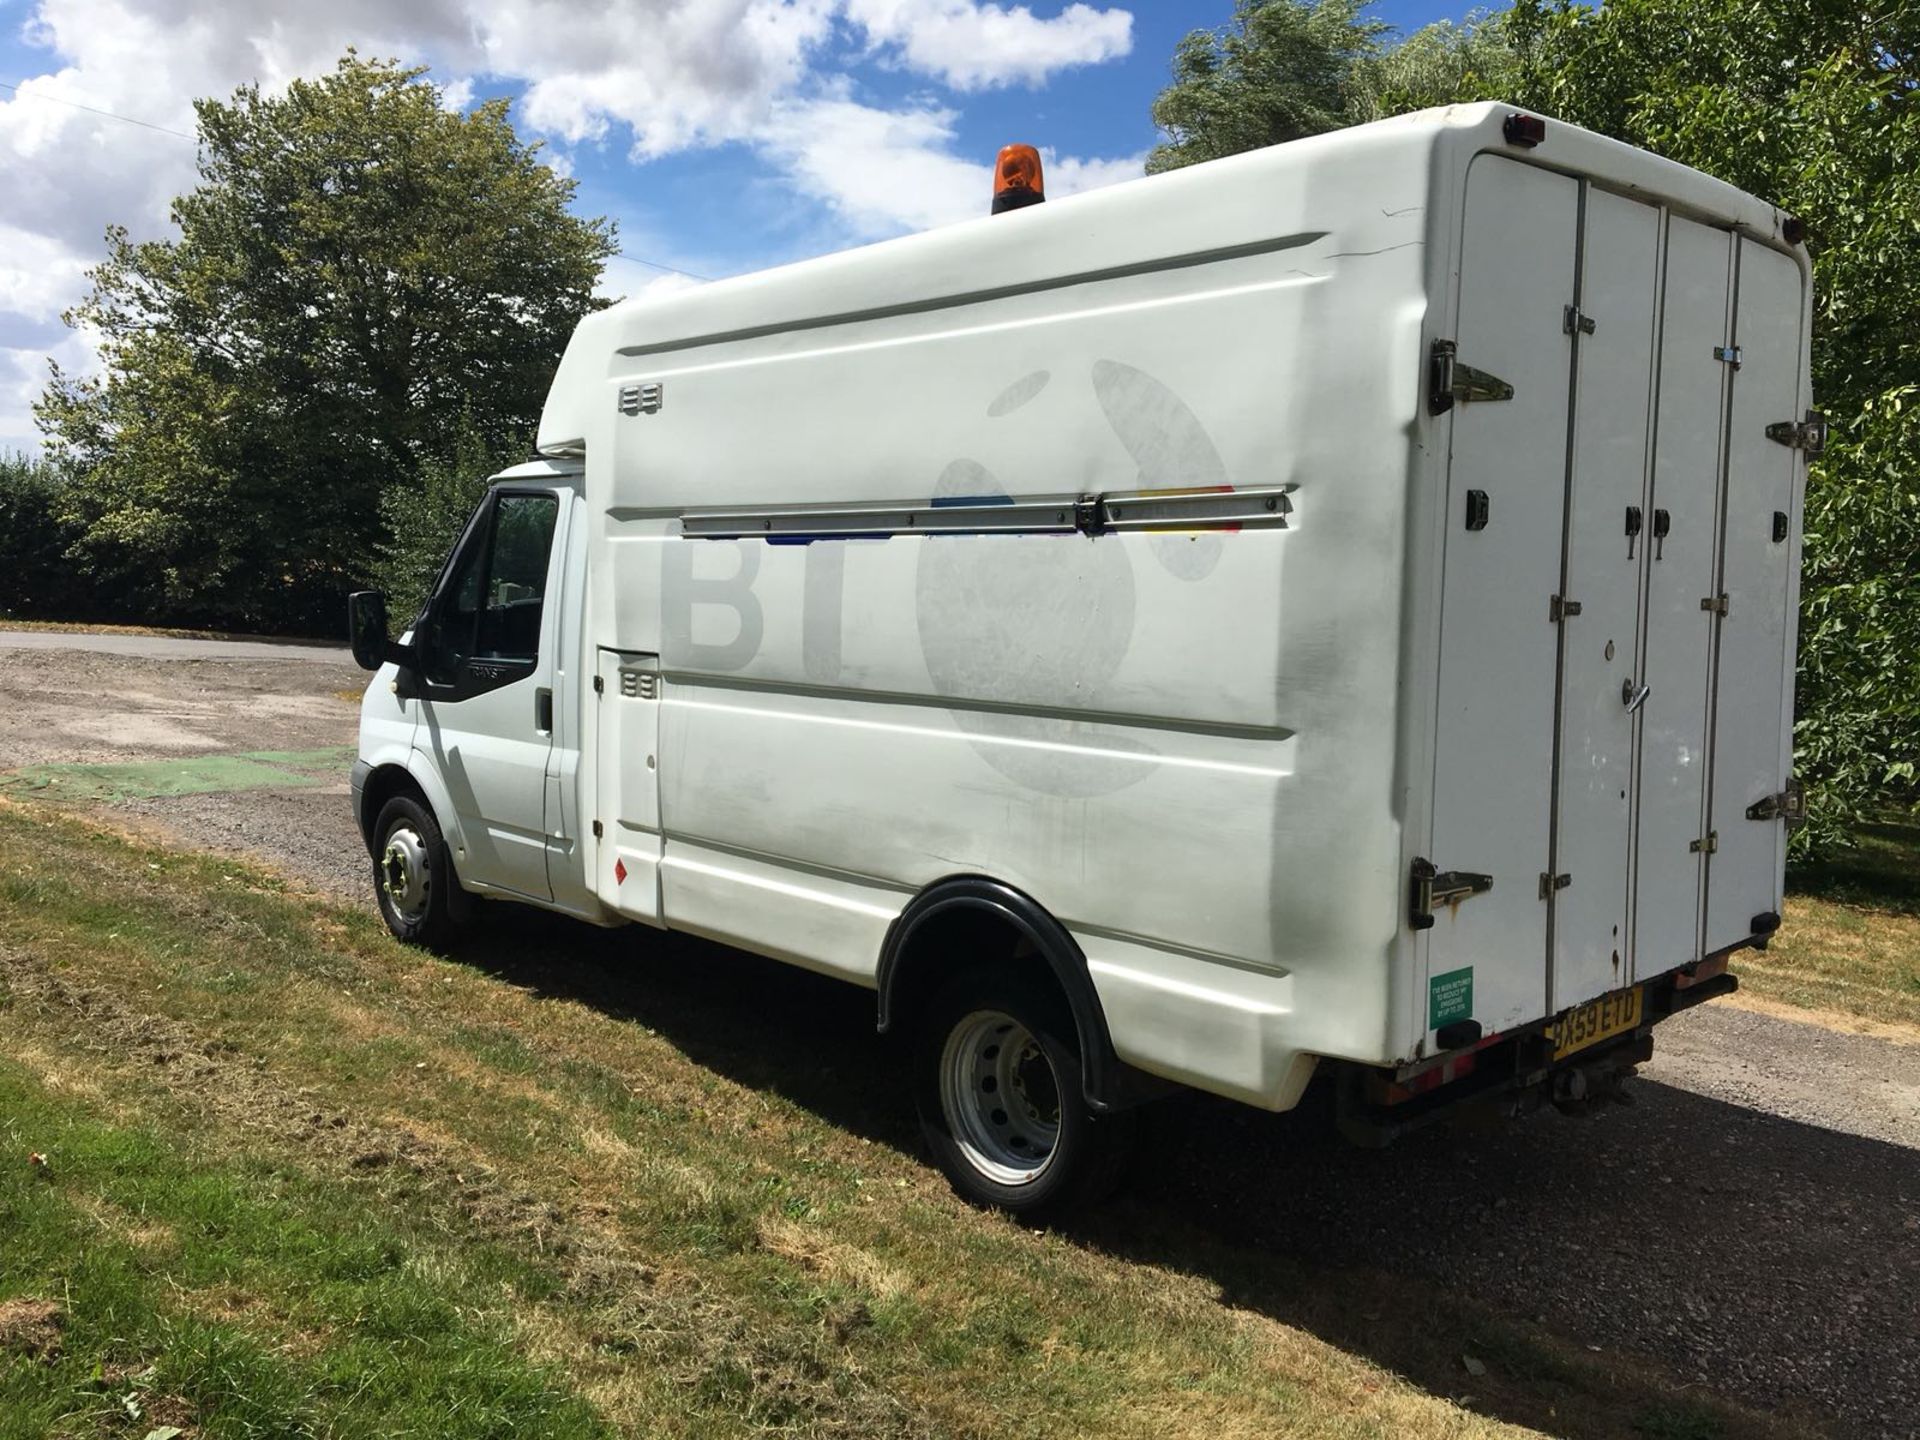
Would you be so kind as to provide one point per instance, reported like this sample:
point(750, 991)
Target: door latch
point(1550, 882)
point(1575, 323)
point(1789, 805)
point(1441, 887)
point(1633, 698)
point(1809, 434)
point(1449, 380)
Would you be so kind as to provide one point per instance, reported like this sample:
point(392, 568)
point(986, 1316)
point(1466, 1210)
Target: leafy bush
point(37, 579)
point(423, 518)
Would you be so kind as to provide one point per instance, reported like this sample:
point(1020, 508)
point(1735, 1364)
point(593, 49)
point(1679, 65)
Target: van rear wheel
point(997, 1082)
point(412, 875)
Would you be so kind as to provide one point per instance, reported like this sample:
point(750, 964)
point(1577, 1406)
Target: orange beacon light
point(1016, 178)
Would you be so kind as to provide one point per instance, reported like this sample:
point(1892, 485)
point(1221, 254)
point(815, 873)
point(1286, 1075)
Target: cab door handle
point(543, 708)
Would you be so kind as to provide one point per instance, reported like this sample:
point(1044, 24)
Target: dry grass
point(718, 1258)
point(1850, 941)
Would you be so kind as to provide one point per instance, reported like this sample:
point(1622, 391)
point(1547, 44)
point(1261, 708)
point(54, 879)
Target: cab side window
point(516, 587)
point(490, 604)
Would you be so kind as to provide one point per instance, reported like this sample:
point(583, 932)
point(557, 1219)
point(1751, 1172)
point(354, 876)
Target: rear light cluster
point(1525, 131)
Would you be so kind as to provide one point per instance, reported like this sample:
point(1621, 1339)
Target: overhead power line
point(656, 265)
point(95, 110)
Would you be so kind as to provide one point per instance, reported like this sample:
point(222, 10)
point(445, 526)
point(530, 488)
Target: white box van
point(1327, 611)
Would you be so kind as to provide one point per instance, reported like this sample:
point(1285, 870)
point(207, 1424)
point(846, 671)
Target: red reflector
point(619, 872)
point(1526, 130)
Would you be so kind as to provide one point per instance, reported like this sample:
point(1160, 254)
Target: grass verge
point(1850, 941)
point(303, 1181)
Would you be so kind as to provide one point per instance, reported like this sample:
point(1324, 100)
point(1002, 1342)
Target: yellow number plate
point(1595, 1021)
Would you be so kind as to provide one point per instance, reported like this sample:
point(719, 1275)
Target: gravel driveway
point(1753, 1220)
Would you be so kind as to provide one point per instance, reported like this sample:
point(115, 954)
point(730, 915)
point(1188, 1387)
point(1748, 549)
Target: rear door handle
point(543, 709)
point(1633, 699)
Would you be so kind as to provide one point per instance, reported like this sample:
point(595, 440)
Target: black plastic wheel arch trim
point(1100, 1069)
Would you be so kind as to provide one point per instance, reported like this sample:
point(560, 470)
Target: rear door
point(1617, 597)
point(1682, 523)
point(1752, 714)
point(1487, 956)
point(1613, 330)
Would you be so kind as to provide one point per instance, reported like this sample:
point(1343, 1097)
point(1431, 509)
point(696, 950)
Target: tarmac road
point(1753, 1221)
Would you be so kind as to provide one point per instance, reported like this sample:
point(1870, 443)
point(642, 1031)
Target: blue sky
point(722, 135)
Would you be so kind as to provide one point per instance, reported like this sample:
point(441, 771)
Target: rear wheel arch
point(973, 920)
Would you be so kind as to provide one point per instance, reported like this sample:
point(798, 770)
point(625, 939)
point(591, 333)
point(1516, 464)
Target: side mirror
point(367, 628)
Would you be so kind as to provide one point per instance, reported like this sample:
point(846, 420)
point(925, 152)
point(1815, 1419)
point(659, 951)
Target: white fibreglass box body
point(834, 676)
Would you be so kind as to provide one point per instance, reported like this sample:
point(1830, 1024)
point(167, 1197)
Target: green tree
point(1442, 64)
point(36, 578)
point(357, 270)
point(424, 520)
point(1281, 70)
point(1817, 108)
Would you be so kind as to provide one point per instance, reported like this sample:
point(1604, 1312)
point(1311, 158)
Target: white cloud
point(39, 275)
point(976, 46)
point(625, 279)
point(654, 75)
point(23, 375)
point(1071, 174)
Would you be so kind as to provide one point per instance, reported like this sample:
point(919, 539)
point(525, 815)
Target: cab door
point(486, 679)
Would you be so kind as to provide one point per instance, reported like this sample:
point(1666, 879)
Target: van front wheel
point(412, 876)
point(997, 1081)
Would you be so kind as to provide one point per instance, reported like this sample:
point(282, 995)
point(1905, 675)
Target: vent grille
point(639, 684)
point(643, 399)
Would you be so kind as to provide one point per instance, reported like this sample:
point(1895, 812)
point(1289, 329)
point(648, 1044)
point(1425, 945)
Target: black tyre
point(413, 875)
point(997, 1083)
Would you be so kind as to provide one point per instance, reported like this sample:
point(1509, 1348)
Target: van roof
point(1213, 210)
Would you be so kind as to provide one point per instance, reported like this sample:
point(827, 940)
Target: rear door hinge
point(1717, 604)
point(1573, 322)
point(1727, 354)
point(1560, 608)
point(1809, 434)
point(1709, 844)
point(599, 685)
point(1550, 882)
point(1440, 887)
point(1789, 805)
point(1449, 380)
point(596, 829)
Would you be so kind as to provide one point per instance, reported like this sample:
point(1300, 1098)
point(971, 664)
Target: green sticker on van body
point(1450, 998)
